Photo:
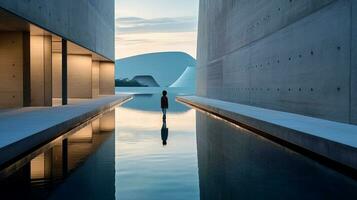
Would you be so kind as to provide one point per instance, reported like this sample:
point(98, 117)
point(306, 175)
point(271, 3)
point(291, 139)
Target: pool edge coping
point(14, 151)
point(317, 148)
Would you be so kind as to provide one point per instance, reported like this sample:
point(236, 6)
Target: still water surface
point(121, 155)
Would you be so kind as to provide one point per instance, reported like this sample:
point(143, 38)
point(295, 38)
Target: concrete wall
point(86, 78)
point(106, 78)
point(41, 70)
point(79, 76)
point(11, 69)
point(95, 79)
point(89, 23)
point(292, 56)
point(56, 75)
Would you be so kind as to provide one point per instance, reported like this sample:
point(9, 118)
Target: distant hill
point(128, 83)
point(164, 67)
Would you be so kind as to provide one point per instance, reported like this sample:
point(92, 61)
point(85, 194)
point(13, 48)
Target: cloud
point(138, 35)
point(134, 44)
point(135, 41)
point(134, 25)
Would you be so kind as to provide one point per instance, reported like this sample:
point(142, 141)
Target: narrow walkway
point(332, 140)
point(25, 128)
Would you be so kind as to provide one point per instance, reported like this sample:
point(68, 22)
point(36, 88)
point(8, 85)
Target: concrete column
point(95, 79)
point(106, 78)
point(57, 75)
point(26, 69)
point(41, 70)
point(48, 70)
point(64, 73)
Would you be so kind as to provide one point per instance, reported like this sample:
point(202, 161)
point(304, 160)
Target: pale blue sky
point(156, 8)
point(144, 26)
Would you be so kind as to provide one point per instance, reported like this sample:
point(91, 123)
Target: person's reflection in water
point(164, 133)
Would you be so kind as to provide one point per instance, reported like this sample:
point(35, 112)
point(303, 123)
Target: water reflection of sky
point(151, 102)
point(145, 169)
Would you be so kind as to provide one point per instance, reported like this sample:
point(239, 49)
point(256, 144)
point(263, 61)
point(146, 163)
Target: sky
point(145, 26)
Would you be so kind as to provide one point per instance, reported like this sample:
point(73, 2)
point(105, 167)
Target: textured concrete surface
point(353, 99)
point(95, 79)
point(294, 56)
point(79, 76)
point(41, 70)
point(106, 78)
point(56, 75)
point(89, 23)
point(11, 69)
point(333, 140)
point(23, 129)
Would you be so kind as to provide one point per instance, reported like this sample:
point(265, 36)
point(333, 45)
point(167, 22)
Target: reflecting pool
point(146, 168)
point(132, 153)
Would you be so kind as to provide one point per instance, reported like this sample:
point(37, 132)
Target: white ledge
point(334, 140)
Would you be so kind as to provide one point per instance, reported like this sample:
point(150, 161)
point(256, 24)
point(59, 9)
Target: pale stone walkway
point(336, 141)
point(25, 128)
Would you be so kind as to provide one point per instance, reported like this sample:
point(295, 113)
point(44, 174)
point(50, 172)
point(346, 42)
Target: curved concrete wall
point(187, 79)
point(294, 56)
point(89, 23)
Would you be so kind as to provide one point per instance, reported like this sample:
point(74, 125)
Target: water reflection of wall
point(236, 164)
point(95, 179)
point(93, 143)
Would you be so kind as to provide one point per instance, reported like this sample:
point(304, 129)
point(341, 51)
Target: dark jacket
point(164, 102)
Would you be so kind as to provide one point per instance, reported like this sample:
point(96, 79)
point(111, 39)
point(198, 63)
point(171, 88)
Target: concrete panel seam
point(351, 63)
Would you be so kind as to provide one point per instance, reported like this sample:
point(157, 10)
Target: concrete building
point(55, 50)
point(296, 56)
point(53, 53)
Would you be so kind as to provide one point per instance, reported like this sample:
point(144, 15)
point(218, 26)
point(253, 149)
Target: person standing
point(164, 103)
